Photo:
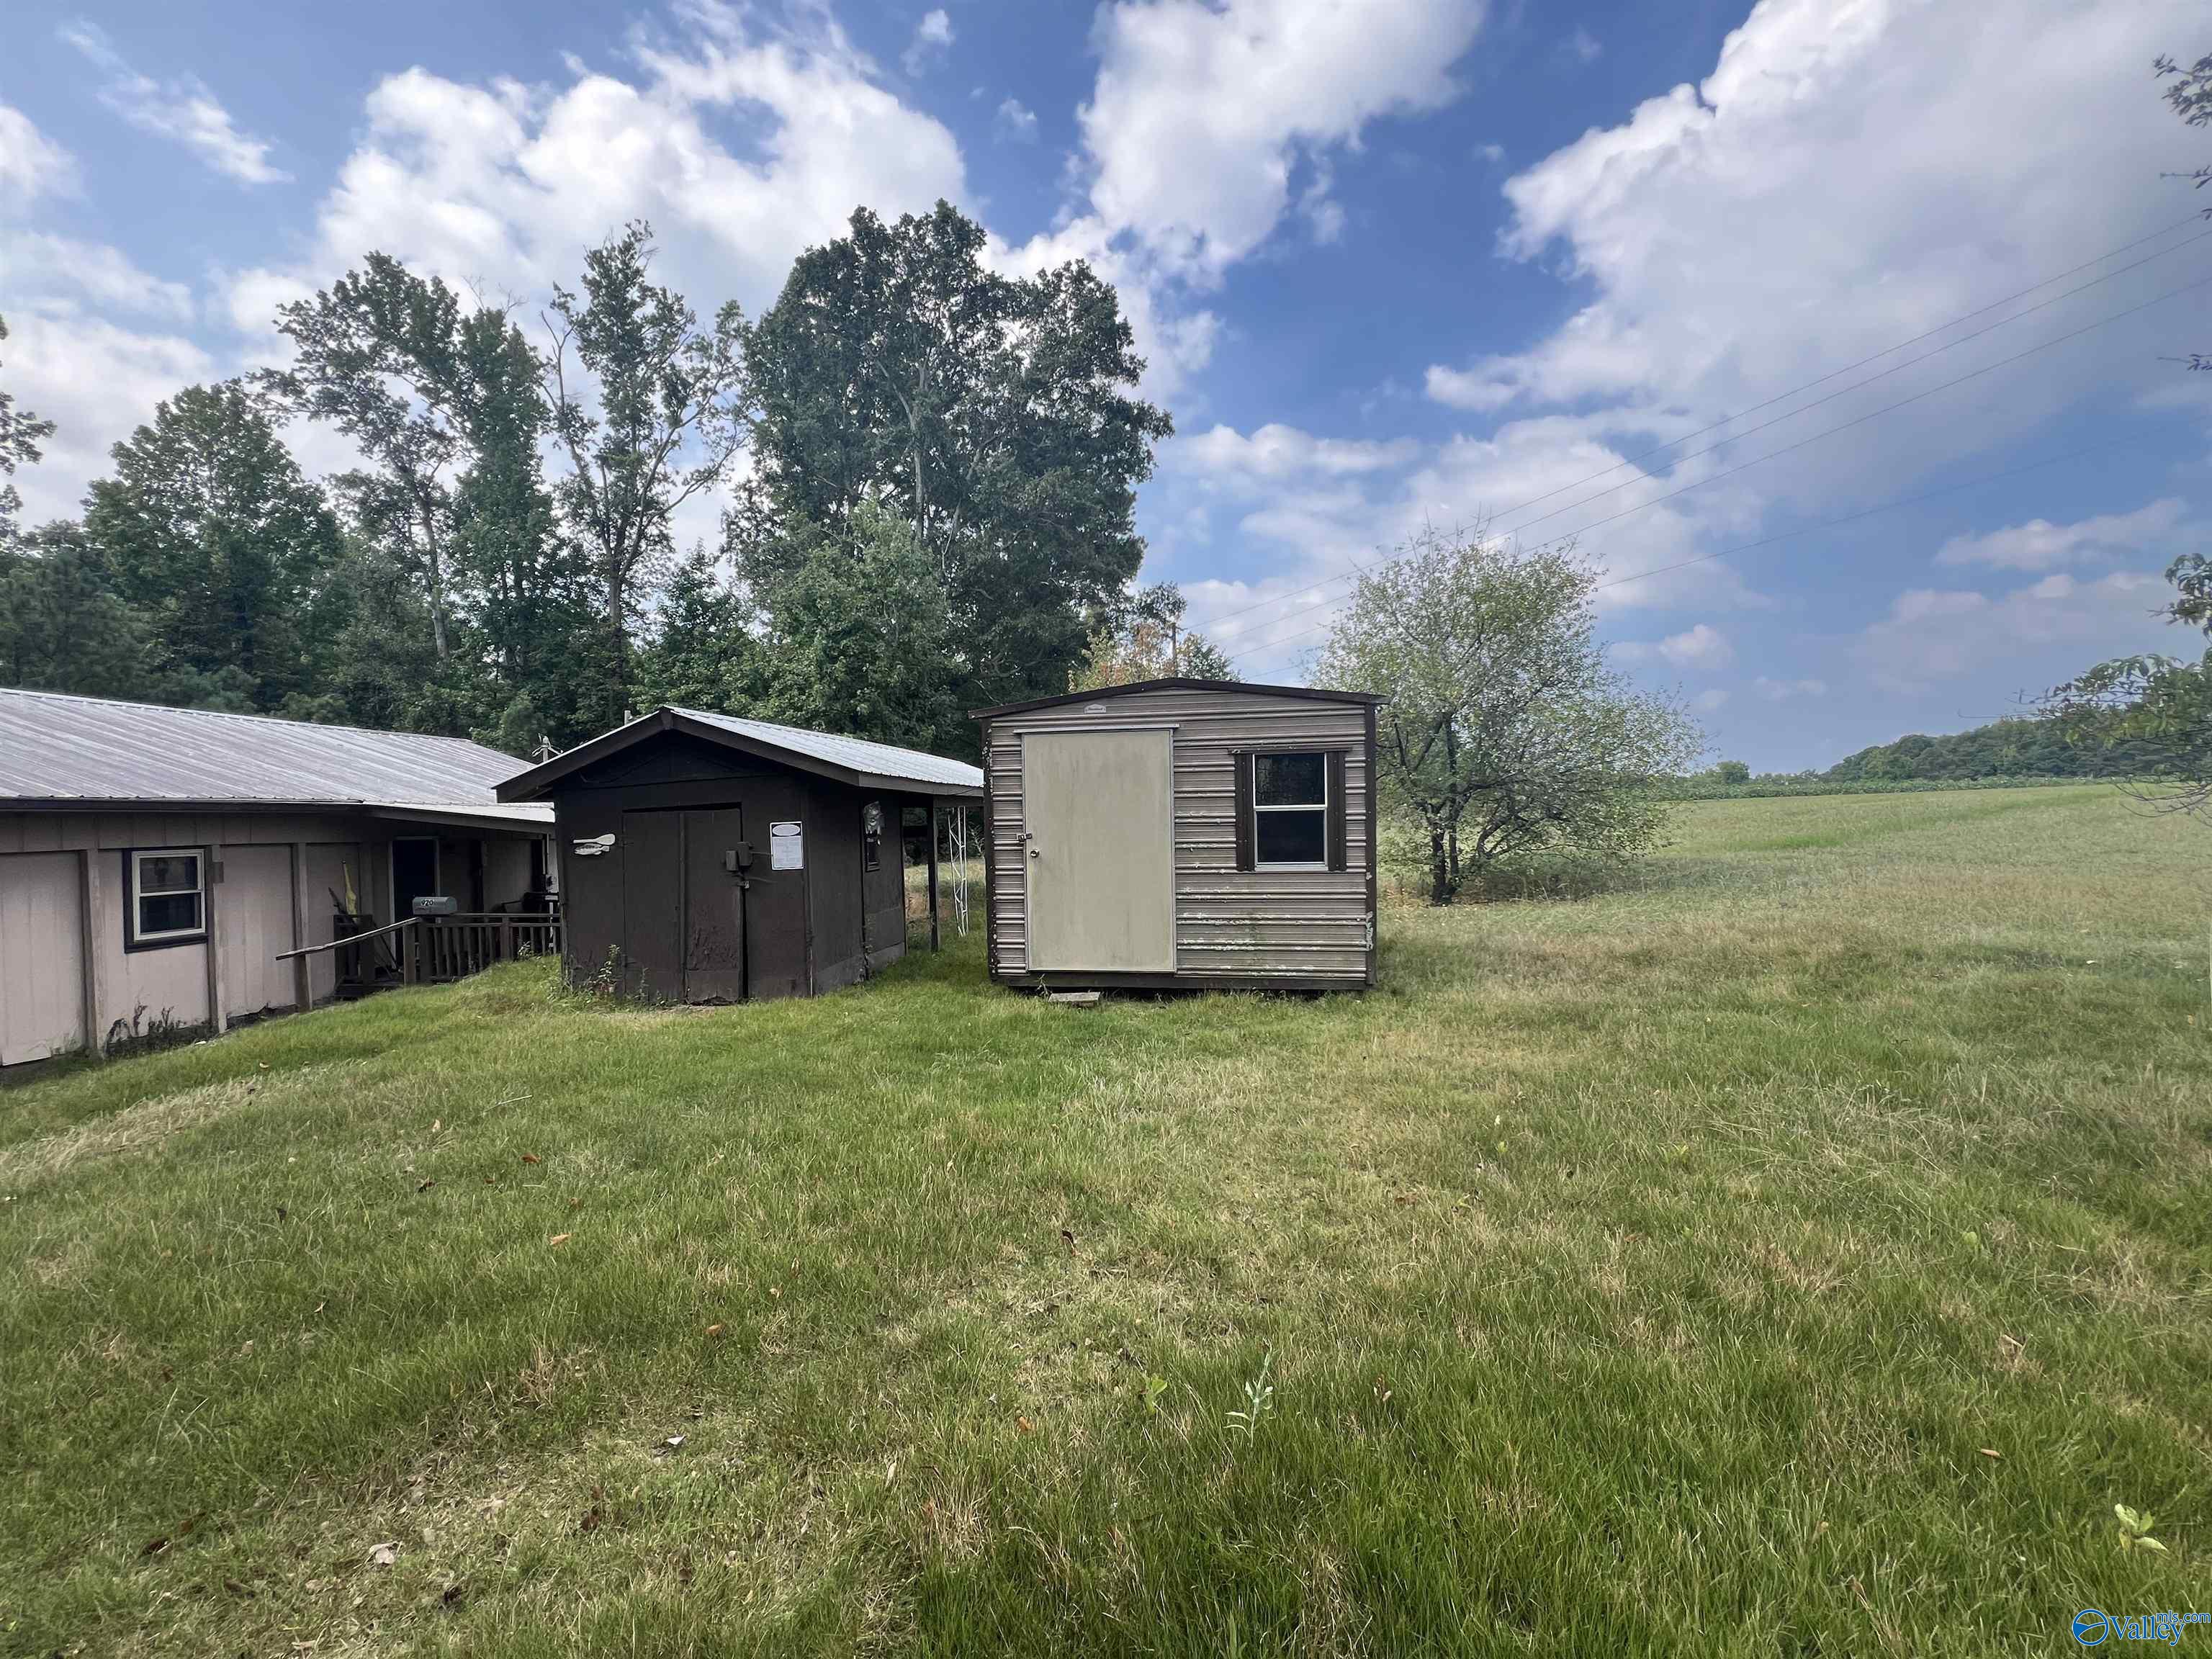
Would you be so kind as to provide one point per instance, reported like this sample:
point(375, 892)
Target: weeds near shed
point(2135, 1530)
point(141, 1035)
point(1259, 1401)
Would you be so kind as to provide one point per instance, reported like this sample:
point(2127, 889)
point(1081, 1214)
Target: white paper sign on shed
point(787, 847)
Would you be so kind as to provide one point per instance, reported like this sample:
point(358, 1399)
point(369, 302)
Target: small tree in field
point(1505, 733)
point(1145, 640)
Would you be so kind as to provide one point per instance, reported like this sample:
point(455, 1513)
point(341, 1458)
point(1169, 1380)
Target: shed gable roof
point(1312, 693)
point(856, 760)
point(66, 750)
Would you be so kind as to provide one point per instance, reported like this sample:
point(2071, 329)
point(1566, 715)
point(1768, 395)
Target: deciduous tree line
point(937, 510)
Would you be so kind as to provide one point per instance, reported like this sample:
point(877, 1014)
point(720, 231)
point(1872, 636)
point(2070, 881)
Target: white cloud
point(933, 38)
point(1016, 121)
point(1582, 46)
point(1709, 700)
point(60, 273)
point(505, 185)
point(1702, 646)
point(181, 110)
point(1853, 173)
point(2037, 634)
point(1176, 343)
point(1775, 691)
point(1202, 112)
point(96, 380)
point(31, 164)
point(94, 377)
point(1325, 507)
point(2163, 528)
point(1274, 453)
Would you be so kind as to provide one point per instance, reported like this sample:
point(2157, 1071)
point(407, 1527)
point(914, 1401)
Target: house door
point(253, 921)
point(414, 873)
point(1099, 811)
point(42, 947)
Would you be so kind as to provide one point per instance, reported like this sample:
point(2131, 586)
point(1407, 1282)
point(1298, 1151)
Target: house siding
point(52, 955)
point(1287, 927)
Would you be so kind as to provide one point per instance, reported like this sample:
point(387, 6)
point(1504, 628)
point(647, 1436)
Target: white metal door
point(253, 915)
point(42, 956)
point(1099, 810)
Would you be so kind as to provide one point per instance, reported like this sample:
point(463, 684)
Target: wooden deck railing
point(434, 949)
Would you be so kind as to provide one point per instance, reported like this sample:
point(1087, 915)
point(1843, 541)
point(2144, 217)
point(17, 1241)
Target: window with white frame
point(1290, 812)
point(168, 896)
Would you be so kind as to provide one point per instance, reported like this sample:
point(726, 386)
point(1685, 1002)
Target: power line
point(1842, 392)
point(1221, 617)
point(1826, 432)
point(1789, 534)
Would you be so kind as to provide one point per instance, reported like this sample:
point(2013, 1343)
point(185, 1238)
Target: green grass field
point(1800, 1252)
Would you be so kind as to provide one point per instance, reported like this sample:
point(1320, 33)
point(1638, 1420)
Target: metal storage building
point(708, 858)
point(161, 864)
point(1181, 833)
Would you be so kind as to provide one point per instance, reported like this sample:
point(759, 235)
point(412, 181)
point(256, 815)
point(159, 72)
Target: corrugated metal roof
point(881, 760)
point(63, 749)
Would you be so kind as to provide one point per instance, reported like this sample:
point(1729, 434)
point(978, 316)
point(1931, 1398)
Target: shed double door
point(684, 908)
point(1098, 813)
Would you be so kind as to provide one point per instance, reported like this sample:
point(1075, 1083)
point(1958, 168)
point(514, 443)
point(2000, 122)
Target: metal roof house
point(1182, 833)
point(155, 863)
point(710, 858)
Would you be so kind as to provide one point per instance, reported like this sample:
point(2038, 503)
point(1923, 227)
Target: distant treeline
point(1705, 786)
point(2004, 748)
point(2006, 754)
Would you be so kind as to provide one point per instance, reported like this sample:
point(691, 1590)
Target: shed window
point(168, 896)
point(1290, 811)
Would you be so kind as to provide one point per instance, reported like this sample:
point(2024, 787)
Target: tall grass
point(1803, 1251)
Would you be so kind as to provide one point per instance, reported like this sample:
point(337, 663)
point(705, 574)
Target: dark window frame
point(1334, 807)
point(134, 939)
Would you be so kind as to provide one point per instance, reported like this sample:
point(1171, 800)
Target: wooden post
point(303, 980)
point(90, 938)
point(211, 888)
point(505, 938)
point(411, 958)
point(932, 873)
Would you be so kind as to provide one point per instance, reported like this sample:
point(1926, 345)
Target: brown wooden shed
point(1174, 833)
point(708, 857)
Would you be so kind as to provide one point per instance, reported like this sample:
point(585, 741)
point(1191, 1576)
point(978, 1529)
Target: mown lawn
point(1800, 1253)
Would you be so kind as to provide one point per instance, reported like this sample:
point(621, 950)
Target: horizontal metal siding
point(1283, 924)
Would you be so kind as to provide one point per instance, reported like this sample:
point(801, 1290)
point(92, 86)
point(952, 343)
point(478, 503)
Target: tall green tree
point(648, 407)
point(21, 433)
point(2157, 710)
point(997, 417)
point(2191, 97)
point(62, 628)
point(376, 354)
point(857, 638)
point(214, 538)
point(1504, 733)
point(702, 654)
point(1145, 640)
point(531, 582)
point(444, 399)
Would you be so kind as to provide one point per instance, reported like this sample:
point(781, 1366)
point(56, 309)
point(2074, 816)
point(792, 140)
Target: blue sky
point(1417, 262)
